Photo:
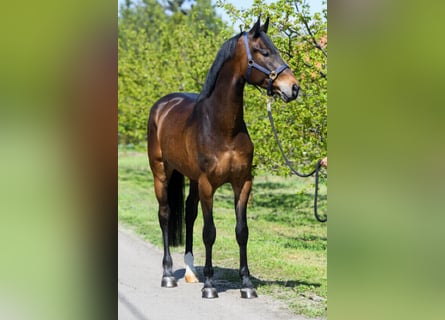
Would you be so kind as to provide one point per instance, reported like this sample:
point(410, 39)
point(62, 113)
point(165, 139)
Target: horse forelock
point(226, 52)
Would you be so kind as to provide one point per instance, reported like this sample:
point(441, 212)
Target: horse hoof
point(191, 278)
point(209, 293)
point(248, 293)
point(168, 282)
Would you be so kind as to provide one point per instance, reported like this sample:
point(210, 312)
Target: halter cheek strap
point(252, 64)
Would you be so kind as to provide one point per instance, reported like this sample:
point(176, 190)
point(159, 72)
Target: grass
point(287, 247)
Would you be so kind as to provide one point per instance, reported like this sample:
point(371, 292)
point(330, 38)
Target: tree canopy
point(168, 46)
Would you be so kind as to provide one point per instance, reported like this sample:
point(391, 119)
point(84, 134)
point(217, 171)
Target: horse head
point(264, 66)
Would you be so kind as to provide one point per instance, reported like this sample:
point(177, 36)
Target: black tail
point(176, 203)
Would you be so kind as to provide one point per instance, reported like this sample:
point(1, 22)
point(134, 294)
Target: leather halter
point(252, 64)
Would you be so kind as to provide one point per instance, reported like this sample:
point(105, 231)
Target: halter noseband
point(252, 64)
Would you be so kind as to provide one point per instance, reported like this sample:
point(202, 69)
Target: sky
point(316, 6)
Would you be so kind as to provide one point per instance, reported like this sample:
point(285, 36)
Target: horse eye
point(262, 51)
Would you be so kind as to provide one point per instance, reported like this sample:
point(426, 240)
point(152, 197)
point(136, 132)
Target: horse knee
point(242, 233)
point(209, 234)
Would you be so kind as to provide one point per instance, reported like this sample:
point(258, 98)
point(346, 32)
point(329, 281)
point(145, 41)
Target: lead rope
point(316, 170)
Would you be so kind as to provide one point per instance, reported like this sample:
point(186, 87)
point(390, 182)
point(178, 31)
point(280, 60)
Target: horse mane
point(225, 53)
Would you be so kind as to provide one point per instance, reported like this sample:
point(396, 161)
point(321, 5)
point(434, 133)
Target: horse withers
point(204, 137)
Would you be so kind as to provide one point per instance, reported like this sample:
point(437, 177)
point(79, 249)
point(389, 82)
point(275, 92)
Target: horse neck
point(225, 104)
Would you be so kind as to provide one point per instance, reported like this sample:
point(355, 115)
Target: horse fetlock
point(208, 273)
point(244, 274)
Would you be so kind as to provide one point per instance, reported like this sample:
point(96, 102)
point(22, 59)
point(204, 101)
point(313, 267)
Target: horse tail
point(175, 195)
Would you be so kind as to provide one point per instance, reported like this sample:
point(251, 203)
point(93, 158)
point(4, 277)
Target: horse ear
point(256, 29)
point(265, 26)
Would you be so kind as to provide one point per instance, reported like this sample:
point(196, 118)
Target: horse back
point(179, 101)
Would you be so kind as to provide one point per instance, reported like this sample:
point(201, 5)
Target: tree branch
point(314, 41)
point(322, 74)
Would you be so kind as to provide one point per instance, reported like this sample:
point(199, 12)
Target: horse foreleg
point(168, 280)
point(242, 235)
point(191, 211)
point(209, 235)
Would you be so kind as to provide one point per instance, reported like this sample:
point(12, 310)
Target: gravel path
point(141, 297)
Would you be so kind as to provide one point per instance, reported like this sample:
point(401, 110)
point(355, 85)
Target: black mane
point(225, 53)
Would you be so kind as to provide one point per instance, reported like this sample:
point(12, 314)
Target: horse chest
point(231, 162)
point(223, 166)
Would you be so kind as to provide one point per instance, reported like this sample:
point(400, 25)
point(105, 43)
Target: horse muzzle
point(289, 93)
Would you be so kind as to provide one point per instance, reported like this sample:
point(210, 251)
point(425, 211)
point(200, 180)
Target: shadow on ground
point(228, 279)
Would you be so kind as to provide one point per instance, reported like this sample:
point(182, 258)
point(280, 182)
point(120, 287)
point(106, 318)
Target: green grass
point(287, 247)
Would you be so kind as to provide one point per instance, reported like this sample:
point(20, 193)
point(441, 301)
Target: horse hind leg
point(191, 212)
point(168, 279)
point(170, 225)
point(169, 221)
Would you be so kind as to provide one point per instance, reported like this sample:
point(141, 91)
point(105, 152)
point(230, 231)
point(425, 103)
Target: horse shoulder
point(243, 144)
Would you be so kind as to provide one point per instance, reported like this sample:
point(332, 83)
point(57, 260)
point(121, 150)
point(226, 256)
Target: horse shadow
point(228, 279)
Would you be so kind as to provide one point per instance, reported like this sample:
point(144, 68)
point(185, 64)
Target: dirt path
point(141, 296)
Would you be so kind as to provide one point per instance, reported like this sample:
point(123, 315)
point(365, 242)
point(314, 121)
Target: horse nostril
point(295, 90)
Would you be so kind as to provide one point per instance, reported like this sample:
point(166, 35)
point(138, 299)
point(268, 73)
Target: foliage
point(169, 47)
point(162, 51)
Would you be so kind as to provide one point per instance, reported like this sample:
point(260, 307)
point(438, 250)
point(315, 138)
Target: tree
point(161, 51)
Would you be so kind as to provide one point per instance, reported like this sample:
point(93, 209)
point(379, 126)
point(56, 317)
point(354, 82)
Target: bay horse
point(204, 137)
